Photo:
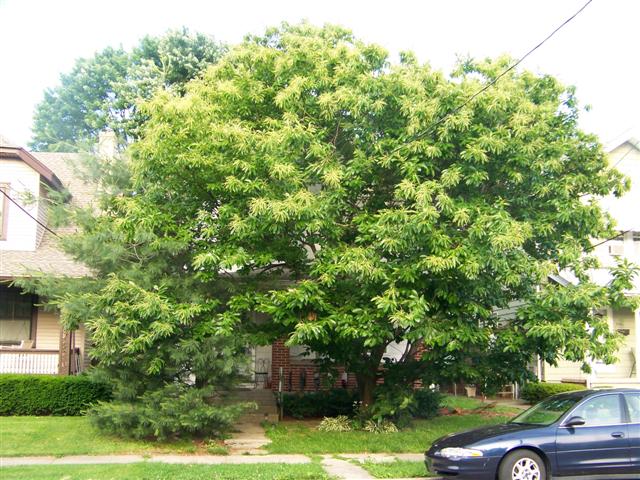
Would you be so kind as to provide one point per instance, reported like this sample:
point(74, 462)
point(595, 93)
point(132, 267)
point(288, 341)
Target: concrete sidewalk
point(199, 459)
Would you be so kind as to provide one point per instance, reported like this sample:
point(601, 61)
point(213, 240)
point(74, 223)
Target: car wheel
point(522, 465)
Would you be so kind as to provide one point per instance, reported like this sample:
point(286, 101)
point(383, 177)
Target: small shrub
point(425, 403)
point(171, 412)
point(534, 392)
point(380, 426)
point(49, 394)
point(341, 423)
point(329, 403)
point(215, 448)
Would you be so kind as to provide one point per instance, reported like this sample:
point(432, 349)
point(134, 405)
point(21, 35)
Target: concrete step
point(258, 418)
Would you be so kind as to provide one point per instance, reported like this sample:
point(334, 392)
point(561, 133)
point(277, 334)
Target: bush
point(171, 412)
point(534, 392)
point(49, 395)
point(425, 403)
point(329, 403)
point(380, 426)
point(341, 423)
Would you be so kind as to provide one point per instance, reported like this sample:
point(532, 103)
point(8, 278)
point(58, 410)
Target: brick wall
point(302, 375)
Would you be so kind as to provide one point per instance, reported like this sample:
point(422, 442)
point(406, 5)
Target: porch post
point(637, 346)
point(64, 353)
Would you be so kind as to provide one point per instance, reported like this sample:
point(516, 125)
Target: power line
point(31, 216)
point(621, 234)
point(491, 83)
point(623, 157)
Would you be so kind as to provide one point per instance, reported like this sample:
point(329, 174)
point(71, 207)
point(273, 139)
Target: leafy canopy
point(307, 177)
point(307, 154)
point(102, 91)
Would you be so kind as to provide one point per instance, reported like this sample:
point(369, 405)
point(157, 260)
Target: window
point(603, 410)
point(636, 241)
point(633, 404)
point(301, 352)
point(15, 316)
point(4, 191)
point(616, 248)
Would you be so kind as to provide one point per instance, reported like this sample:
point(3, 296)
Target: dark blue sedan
point(585, 434)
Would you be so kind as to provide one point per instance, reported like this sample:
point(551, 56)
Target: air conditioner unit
point(616, 250)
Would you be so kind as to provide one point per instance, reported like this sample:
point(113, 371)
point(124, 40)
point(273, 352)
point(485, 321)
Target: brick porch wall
point(293, 372)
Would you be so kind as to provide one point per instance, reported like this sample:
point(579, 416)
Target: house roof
point(56, 170)
point(17, 153)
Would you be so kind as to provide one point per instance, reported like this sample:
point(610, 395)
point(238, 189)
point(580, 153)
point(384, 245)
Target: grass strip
point(157, 471)
point(300, 437)
point(396, 469)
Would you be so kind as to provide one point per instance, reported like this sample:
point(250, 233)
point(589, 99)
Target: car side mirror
point(574, 422)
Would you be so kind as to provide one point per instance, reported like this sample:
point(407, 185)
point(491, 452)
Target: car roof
point(578, 394)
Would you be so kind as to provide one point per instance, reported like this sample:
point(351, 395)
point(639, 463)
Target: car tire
point(522, 465)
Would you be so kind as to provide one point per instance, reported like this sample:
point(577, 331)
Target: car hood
point(471, 437)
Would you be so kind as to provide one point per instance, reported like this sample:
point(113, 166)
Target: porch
point(39, 361)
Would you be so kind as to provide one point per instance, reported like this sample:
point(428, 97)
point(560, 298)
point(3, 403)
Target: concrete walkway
point(342, 467)
point(247, 439)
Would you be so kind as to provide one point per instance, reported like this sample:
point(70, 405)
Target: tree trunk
point(367, 378)
point(366, 386)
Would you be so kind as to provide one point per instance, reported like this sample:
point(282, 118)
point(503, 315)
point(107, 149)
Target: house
point(626, 210)
point(31, 338)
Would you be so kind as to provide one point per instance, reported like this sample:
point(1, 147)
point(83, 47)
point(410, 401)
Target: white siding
point(564, 371)
point(622, 319)
point(21, 229)
point(47, 331)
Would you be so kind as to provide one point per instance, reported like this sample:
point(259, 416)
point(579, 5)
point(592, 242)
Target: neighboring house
point(31, 339)
point(626, 210)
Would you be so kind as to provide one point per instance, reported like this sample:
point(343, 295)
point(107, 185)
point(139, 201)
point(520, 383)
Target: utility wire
point(621, 234)
point(623, 157)
point(31, 216)
point(490, 84)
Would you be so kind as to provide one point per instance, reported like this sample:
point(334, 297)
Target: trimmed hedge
point(329, 403)
point(534, 392)
point(49, 395)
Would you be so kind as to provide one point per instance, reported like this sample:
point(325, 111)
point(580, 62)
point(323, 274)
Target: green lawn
point(155, 471)
point(396, 469)
point(467, 403)
point(301, 437)
point(22, 436)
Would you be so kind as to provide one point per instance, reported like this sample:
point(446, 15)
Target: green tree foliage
point(152, 322)
point(308, 178)
point(306, 153)
point(103, 91)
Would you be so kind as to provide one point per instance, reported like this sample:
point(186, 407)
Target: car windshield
point(546, 412)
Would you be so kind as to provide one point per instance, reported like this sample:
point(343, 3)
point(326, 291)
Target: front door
point(601, 445)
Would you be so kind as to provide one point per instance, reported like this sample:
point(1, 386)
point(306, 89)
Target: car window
point(602, 410)
point(633, 403)
point(546, 412)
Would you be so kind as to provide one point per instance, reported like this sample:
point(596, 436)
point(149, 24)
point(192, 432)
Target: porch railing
point(28, 360)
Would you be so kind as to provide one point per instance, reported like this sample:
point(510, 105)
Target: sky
point(597, 52)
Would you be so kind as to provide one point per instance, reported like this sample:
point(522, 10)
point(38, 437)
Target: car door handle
point(617, 435)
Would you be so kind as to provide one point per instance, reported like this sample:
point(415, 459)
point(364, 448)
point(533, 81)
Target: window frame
point(621, 405)
point(33, 318)
point(625, 396)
